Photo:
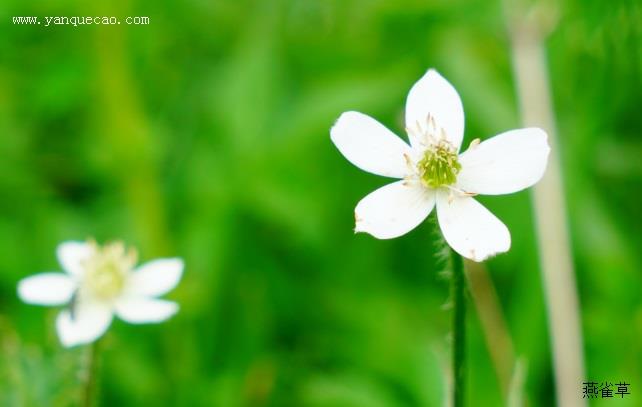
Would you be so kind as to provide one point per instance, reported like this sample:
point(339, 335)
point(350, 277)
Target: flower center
point(439, 166)
point(107, 269)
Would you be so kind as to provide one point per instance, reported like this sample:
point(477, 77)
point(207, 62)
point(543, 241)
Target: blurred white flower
point(101, 282)
point(432, 171)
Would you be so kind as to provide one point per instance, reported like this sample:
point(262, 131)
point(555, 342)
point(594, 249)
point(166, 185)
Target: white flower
point(433, 173)
point(100, 282)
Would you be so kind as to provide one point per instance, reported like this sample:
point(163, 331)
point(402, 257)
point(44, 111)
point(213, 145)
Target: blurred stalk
point(515, 394)
point(494, 328)
point(127, 147)
point(90, 375)
point(527, 34)
point(458, 287)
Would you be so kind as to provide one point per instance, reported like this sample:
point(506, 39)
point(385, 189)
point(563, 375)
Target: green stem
point(90, 375)
point(458, 288)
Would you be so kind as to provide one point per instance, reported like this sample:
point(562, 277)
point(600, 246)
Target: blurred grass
point(205, 135)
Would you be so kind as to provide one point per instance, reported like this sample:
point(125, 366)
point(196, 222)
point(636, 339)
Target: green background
point(205, 135)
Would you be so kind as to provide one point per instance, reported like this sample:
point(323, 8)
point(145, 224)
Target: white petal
point(369, 145)
point(145, 310)
point(506, 163)
point(155, 277)
point(469, 228)
point(71, 255)
point(394, 210)
point(47, 289)
point(88, 323)
point(434, 95)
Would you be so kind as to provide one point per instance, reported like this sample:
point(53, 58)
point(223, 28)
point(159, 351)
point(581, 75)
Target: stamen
point(106, 270)
point(439, 166)
point(460, 192)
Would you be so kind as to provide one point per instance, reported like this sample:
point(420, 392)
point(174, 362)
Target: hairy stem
point(458, 287)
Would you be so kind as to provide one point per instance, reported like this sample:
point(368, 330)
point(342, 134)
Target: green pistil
point(439, 167)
